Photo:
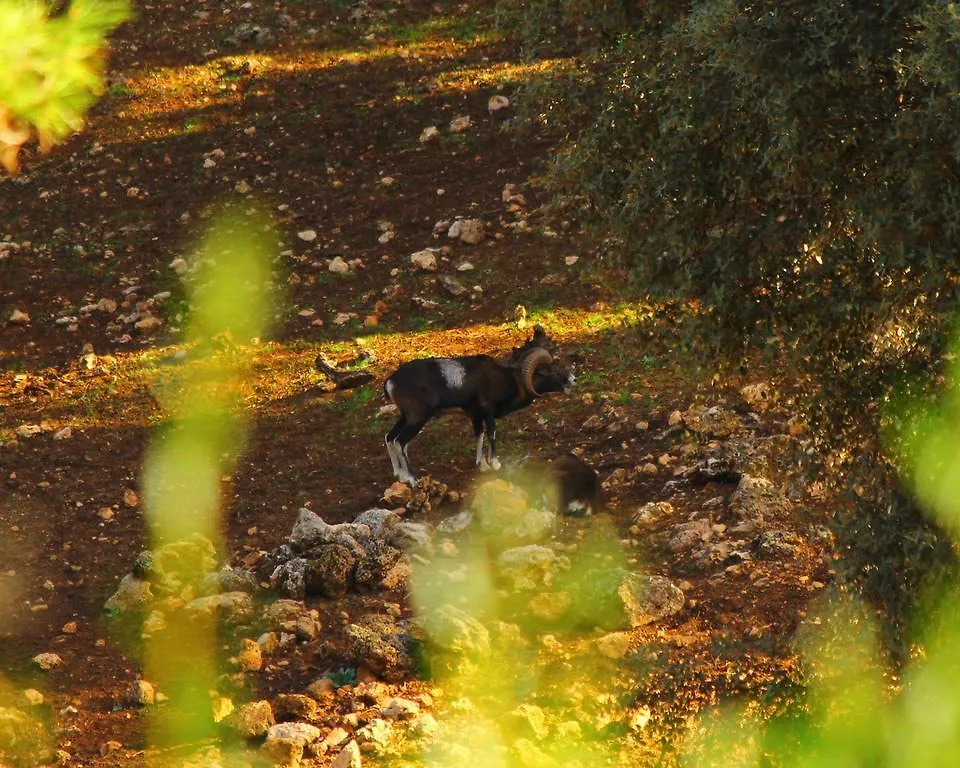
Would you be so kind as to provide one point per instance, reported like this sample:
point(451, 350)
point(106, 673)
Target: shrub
point(789, 171)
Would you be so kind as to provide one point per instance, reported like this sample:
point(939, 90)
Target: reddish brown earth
point(313, 131)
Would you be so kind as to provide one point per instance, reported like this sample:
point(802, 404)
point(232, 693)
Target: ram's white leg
point(481, 457)
point(392, 451)
point(406, 473)
point(494, 461)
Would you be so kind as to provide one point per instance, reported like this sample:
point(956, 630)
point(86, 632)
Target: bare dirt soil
point(318, 117)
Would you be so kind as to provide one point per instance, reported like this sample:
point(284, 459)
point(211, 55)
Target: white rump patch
point(452, 372)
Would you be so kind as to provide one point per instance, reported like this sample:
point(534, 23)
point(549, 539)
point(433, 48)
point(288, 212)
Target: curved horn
point(533, 360)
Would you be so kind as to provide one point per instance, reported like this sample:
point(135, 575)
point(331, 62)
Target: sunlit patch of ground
point(131, 388)
point(168, 101)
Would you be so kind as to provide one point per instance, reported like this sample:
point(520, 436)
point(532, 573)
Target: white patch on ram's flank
point(453, 373)
point(388, 388)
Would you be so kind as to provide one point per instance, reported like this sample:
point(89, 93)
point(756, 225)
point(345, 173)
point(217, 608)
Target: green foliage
point(790, 172)
point(53, 68)
point(342, 676)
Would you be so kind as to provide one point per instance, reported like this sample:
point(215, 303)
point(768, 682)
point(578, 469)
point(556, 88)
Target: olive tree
point(790, 171)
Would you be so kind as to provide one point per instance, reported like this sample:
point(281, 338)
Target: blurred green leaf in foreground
point(53, 69)
point(186, 463)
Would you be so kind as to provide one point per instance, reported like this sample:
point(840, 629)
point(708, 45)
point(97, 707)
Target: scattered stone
point(294, 706)
point(377, 563)
point(614, 645)
point(338, 266)
point(711, 422)
point(469, 231)
point(377, 733)
point(379, 644)
point(689, 535)
point(18, 317)
point(454, 630)
point(618, 599)
point(550, 606)
point(250, 34)
point(424, 724)
point(229, 607)
point(251, 721)
point(281, 751)
point(349, 757)
point(397, 494)
point(528, 567)
point(496, 103)
point(653, 510)
point(47, 661)
point(329, 571)
point(775, 543)
point(307, 235)
point(757, 499)
point(397, 708)
point(31, 697)
point(460, 124)
point(142, 693)
point(453, 286)
point(321, 688)
point(300, 733)
point(504, 514)
point(250, 656)
point(148, 324)
point(63, 434)
point(428, 134)
point(425, 260)
point(29, 430)
point(411, 537)
point(758, 396)
point(220, 707)
point(269, 642)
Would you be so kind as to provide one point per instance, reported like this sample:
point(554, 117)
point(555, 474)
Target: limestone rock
point(454, 630)
point(756, 498)
point(252, 720)
point(527, 567)
point(229, 607)
point(425, 260)
point(132, 594)
point(349, 757)
point(294, 706)
point(377, 643)
point(329, 571)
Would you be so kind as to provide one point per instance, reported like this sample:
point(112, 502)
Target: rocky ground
point(356, 621)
